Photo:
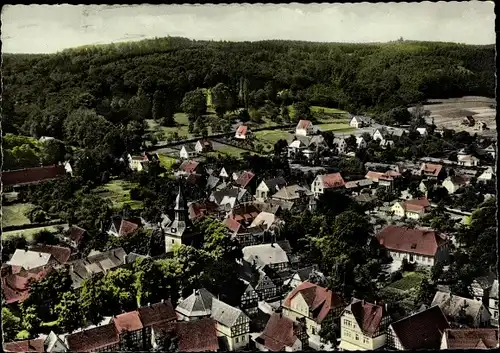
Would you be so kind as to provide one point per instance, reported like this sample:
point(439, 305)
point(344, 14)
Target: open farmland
point(118, 192)
point(15, 214)
point(448, 113)
point(29, 232)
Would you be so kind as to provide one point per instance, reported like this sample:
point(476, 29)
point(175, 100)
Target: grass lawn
point(229, 150)
point(15, 214)
point(271, 136)
point(409, 281)
point(315, 108)
point(166, 161)
point(28, 233)
point(336, 127)
point(118, 191)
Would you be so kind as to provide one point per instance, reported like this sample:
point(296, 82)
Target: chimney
point(163, 300)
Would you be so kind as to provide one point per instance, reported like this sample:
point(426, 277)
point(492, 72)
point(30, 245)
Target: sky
point(52, 28)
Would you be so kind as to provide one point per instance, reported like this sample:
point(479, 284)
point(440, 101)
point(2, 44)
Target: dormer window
point(413, 246)
point(173, 230)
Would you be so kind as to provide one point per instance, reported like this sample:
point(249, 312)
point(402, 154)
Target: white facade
point(487, 175)
point(135, 163)
point(357, 123)
point(340, 144)
point(493, 304)
point(468, 161)
point(317, 185)
point(262, 192)
point(360, 142)
point(421, 260)
point(377, 135)
point(422, 131)
point(186, 154)
point(304, 128)
point(353, 338)
point(450, 186)
point(170, 241)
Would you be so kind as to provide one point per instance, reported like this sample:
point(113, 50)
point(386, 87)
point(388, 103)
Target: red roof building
point(241, 132)
point(432, 170)
point(37, 345)
point(197, 336)
point(416, 205)
point(478, 338)
point(189, 167)
point(59, 253)
point(320, 301)
point(281, 333)
point(121, 227)
point(411, 241)
point(333, 181)
point(76, 234)
point(198, 210)
point(22, 177)
point(157, 313)
point(369, 317)
point(244, 179)
point(15, 285)
point(128, 322)
point(100, 338)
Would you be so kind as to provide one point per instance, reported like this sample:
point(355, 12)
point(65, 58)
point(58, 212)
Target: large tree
point(222, 99)
point(194, 104)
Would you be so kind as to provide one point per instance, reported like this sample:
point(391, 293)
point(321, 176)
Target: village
point(285, 301)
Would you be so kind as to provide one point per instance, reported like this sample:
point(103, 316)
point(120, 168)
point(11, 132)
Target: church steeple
point(180, 208)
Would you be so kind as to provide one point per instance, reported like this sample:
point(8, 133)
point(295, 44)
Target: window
point(237, 340)
point(357, 337)
point(173, 241)
point(365, 340)
point(313, 331)
point(495, 314)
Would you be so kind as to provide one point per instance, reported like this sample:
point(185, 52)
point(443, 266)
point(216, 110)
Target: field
point(118, 191)
point(15, 214)
point(166, 161)
point(271, 136)
point(228, 150)
point(410, 280)
point(448, 113)
point(28, 233)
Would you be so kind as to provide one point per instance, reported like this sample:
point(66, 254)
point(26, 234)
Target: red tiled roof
point(76, 234)
point(279, 333)
point(416, 204)
point(189, 166)
point(157, 313)
point(32, 175)
point(206, 143)
point(128, 322)
point(459, 180)
point(193, 179)
point(95, 338)
point(303, 124)
point(242, 130)
point(368, 316)
point(422, 330)
point(15, 286)
point(320, 300)
point(233, 225)
point(477, 338)
point(197, 336)
point(127, 227)
point(199, 209)
point(430, 168)
point(390, 175)
point(36, 345)
point(244, 179)
point(416, 241)
point(333, 180)
point(60, 253)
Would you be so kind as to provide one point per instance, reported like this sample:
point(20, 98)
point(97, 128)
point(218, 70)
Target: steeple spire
point(180, 203)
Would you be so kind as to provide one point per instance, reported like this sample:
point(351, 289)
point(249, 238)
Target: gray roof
point(28, 259)
point(225, 314)
point(82, 269)
point(264, 254)
point(364, 198)
point(371, 165)
point(292, 192)
point(452, 304)
point(305, 272)
point(132, 257)
point(234, 192)
point(197, 304)
point(358, 183)
point(494, 290)
point(188, 147)
point(275, 183)
point(307, 141)
point(212, 182)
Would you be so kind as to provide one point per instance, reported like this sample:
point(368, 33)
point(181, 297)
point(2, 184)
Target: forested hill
point(40, 90)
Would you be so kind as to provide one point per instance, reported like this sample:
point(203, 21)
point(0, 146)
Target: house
point(493, 303)
point(412, 209)
point(245, 180)
point(358, 122)
point(269, 187)
point(129, 325)
point(74, 236)
point(340, 144)
point(230, 198)
point(60, 253)
point(189, 167)
point(223, 173)
point(249, 298)
point(304, 128)
point(271, 255)
point(197, 306)
point(15, 282)
point(82, 269)
point(422, 330)
point(181, 230)
point(302, 275)
point(281, 334)
point(197, 336)
point(363, 326)
point(262, 284)
point(460, 310)
point(422, 247)
point(313, 303)
point(468, 121)
point(491, 150)
point(266, 219)
point(198, 210)
point(29, 259)
point(358, 185)
point(15, 179)
point(479, 338)
point(481, 287)
point(68, 168)
point(187, 152)
point(431, 171)
point(44, 343)
point(244, 213)
point(360, 142)
point(161, 314)
point(296, 194)
point(327, 182)
point(137, 163)
point(454, 182)
point(103, 338)
point(468, 160)
point(386, 144)
point(422, 131)
point(308, 146)
point(203, 146)
point(424, 187)
point(243, 133)
point(382, 166)
point(487, 175)
point(232, 325)
point(121, 227)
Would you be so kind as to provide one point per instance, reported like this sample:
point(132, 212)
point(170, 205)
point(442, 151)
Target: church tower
point(180, 226)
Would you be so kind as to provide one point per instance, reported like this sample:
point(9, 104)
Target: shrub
point(396, 276)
